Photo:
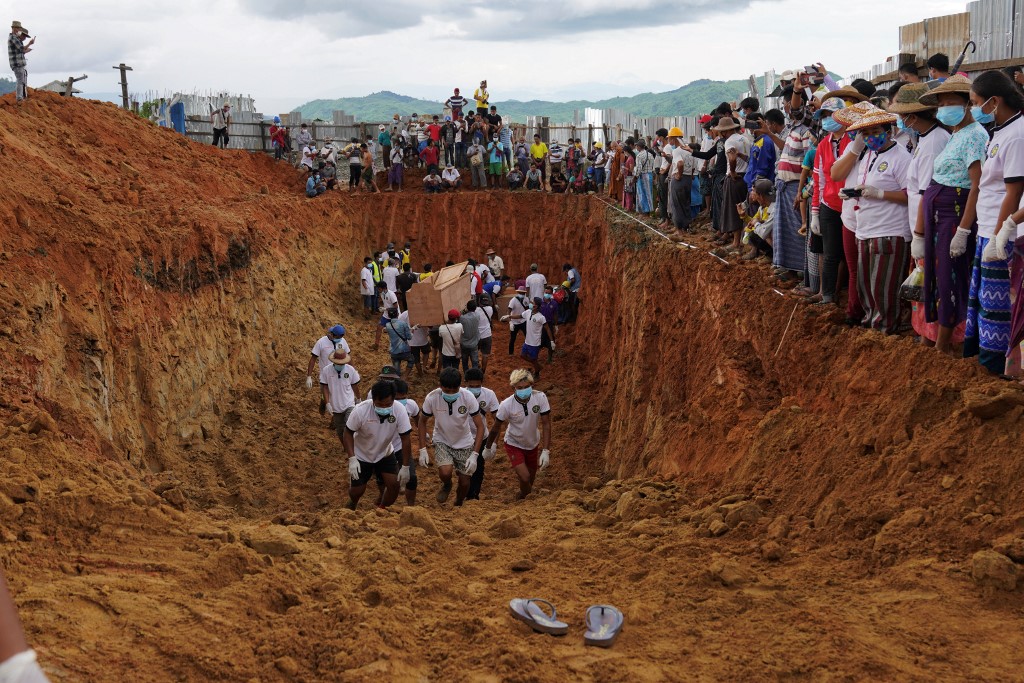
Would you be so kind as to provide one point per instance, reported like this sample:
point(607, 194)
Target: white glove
point(545, 458)
point(471, 463)
point(857, 145)
point(958, 245)
point(353, 468)
point(871, 192)
point(309, 381)
point(552, 345)
point(505, 318)
point(990, 252)
point(489, 451)
point(815, 223)
point(424, 458)
point(403, 476)
point(22, 668)
point(1004, 237)
point(917, 247)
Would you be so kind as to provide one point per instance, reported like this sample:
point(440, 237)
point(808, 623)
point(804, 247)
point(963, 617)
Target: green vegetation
point(6, 86)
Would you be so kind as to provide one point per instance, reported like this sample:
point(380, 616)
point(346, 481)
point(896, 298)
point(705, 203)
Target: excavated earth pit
point(763, 504)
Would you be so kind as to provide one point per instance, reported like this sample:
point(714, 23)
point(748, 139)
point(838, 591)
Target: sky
point(286, 52)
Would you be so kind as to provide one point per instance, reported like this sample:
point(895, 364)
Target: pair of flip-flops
point(604, 622)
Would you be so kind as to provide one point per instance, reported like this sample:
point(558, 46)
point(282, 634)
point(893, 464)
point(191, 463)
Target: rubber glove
point(505, 318)
point(857, 145)
point(403, 476)
point(990, 253)
point(552, 345)
point(22, 668)
point(471, 463)
point(1004, 237)
point(871, 192)
point(545, 458)
point(309, 381)
point(958, 245)
point(917, 247)
point(815, 223)
point(353, 468)
point(489, 451)
point(424, 458)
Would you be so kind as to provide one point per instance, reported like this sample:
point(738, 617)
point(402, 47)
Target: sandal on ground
point(530, 612)
point(604, 623)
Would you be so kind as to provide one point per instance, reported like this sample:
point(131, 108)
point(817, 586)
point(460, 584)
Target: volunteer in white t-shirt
point(883, 231)
point(337, 379)
point(535, 322)
point(485, 312)
point(535, 283)
point(420, 343)
point(453, 409)
point(488, 406)
point(322, 350)
point(366, 288)
point(988, 333)
point(451, 341)
point(528, 415)
point(370, 433)
point(390, 275)
point(386, 300)
point(413, 410)
point(516, 306)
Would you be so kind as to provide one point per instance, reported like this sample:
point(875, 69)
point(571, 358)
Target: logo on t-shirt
point(346, 375)
point(536, 409)
point(882, 167)
point(462, 410)
point(391, 419)
point(994, 151)
point(483, 406)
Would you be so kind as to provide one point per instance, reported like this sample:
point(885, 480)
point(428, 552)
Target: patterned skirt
point(988, 312)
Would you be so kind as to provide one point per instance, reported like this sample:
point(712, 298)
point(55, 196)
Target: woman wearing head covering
point(628, 179)
point(996, 100)
point(946, 229)
point(826, 204)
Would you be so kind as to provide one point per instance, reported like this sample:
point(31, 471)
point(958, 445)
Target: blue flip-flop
point(604, 623)
point(530, 612)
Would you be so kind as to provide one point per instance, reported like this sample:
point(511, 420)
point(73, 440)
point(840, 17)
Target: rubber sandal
point(530, 612)
point(604, 623)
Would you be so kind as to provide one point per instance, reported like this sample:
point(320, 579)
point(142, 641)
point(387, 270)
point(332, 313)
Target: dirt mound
point(738, 477)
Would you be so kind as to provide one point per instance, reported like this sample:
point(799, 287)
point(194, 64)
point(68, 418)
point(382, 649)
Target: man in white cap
point(16, 50)
point(221, 119)
point(369, 435)
point(528, 415)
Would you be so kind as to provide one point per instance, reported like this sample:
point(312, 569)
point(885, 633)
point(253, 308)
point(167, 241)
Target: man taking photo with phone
point(16, 50)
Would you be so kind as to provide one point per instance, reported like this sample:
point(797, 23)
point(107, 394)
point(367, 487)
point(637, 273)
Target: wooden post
point(70, 90)
point(263, 136)
point(124, 83)
point(590, 136)
point(312, 131)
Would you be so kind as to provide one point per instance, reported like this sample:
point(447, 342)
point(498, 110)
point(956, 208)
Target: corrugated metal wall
point(992, 29)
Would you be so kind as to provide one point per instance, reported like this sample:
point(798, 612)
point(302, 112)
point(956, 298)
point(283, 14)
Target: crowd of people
point(467, 417)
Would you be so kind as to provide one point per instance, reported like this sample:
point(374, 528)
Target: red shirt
point(430, 155)
point(434, 132)
point(824, 159)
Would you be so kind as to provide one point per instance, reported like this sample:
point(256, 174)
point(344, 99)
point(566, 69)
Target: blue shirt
point(966, 146)
point(573, 276)
point(762, 161)
point(492, 287)
point(496, 153)
point(384, 138)
point(399, 333)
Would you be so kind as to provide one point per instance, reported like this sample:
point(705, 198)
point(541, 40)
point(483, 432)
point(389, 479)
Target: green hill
point(694, 98)
point(6, 86)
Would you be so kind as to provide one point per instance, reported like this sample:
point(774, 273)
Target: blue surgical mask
point(830, 125)
point(951, 114)
point(450, 398)
point(524, 394)
point(900, 124)
point(382, 412)
point(548, 296)
point(982, 117)
point(404, 401)
point(339, 368)
point(475, 390)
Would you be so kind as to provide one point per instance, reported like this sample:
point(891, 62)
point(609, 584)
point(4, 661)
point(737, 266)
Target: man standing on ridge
point(456, 102)
point(221, 119)
point(16, 50)
point(482, 98)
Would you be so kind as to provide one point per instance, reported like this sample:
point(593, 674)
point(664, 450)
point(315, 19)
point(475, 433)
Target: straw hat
point(852, 114)
point(847, 92)
point(957, 83)
point(875, 117)
point(725, 123)
point(489, 251)
point(339, 357)
point(908, 99)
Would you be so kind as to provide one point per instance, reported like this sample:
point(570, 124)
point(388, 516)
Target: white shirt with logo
point(324, 347)
point(489, 403)
point(534, 328)
point(523, 420)
point(887, 171)
point(373, 435)
point(452, 420)
point(339, 386)
point(1004, 163)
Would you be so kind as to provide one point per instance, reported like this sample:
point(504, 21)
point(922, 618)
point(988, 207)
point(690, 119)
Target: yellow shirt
point(538, 150)
point(481, 96)
point(405, 257)
point(424, 276)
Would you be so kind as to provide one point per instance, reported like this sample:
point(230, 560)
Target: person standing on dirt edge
point(369, 432)
point(221, 119)
point(482, 98)
point(528, 415)
point(455, 447)
point(488, 405)
point(16, 50)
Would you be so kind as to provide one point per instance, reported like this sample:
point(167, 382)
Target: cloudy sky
point(285, 52)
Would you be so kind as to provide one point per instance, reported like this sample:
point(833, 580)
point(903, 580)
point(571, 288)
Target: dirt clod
point(989, 568)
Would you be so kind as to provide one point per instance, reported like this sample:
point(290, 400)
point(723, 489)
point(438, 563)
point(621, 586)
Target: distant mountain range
point(697, 97)
point(6, 86)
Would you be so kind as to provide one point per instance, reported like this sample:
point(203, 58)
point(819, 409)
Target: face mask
point(900, 124)
point(404, 401)
point(982, 117)
point(450, 398)
point(830, 125)
point(382, 412)
point(950, 115)
point(524, 394)
point(474, 390)
point(339, 368)
point(548, 296)
point(876, 142)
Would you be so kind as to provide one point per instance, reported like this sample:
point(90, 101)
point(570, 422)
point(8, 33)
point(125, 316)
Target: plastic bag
point(912, 288)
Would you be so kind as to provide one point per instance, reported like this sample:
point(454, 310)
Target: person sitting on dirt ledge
point(453, 408)
point(451, 179)
point(315, 185)
point(369, 432)
point(433, 183)
point(528, 415)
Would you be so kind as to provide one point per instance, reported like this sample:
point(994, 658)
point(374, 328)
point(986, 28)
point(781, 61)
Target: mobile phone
point(811, 69)
point(851, 193)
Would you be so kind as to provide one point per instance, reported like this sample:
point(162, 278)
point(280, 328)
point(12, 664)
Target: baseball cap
point(453, 314)
point(390, 371)
point(337, 330)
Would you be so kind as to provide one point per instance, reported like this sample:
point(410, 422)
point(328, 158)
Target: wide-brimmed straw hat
point(847, 92)
point(875, 117)
point(724, 124)
point(848, 116)
point(956, 83)
point(908, 99)
point(339, 357)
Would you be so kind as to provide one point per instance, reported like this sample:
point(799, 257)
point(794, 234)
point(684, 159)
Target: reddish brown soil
point(762, 503)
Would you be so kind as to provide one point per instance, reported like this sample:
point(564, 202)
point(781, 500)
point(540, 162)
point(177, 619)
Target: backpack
point(559, 295)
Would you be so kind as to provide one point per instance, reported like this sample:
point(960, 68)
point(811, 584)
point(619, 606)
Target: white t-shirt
point(366, 282)
point(516, 306)
point(451, 339)
point(486, 315)
point(308, 153)
point(1004, 163)
point(388, 299)
point(388, 275)
point(741, 145)
point(683, 162)
point(922, 163)
point(450, 174)
point(420, 335)
point(488, 401)
point(887, 171)
point(324, 347)
point(495, 265)
point(535, 283)
point(339, 386)
point(534, 328)
point(373, 435)
point(412, 410)
point(523, 420)
point(452, 420)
